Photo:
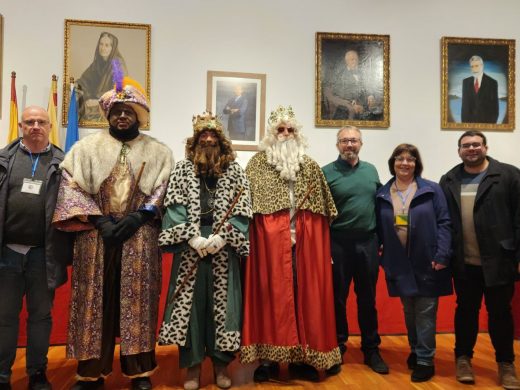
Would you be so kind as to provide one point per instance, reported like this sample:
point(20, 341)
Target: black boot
point(141, 383)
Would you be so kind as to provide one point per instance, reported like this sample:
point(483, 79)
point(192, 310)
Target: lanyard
point(34, 164)
point(404, 196)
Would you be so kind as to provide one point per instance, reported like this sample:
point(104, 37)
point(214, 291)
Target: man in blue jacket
point(483, 196)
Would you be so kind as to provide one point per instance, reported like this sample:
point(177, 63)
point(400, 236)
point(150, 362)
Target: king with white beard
point(288, 277)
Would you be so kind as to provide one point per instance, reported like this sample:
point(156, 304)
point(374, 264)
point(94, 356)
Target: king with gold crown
point(206, 226)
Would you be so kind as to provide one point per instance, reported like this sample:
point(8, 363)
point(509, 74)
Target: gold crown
point(207, 121)
point(281, 114)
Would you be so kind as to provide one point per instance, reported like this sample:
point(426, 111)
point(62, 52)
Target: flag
point(13, 112)
point(72, 120)
point(52, 110)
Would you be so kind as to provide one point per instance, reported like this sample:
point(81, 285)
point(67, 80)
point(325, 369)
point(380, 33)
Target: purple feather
point(117, 74)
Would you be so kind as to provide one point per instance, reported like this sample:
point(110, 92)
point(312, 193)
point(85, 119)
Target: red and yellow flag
point(52, 110)
point(13, 112)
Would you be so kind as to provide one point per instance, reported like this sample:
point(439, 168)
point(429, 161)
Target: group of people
point(252, 249)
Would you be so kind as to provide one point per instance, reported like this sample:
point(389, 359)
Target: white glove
point(214, 243)
point(199, 243)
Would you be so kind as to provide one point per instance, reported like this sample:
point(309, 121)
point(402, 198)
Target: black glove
point(127, 226)
point(106, 227)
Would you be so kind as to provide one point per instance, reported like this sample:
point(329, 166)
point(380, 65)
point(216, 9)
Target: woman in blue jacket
point(414, 230)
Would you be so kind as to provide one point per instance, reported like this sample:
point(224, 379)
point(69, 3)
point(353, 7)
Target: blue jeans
point(24, 275)
point(420, 316)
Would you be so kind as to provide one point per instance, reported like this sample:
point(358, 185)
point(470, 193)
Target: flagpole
point(52, 110)
point(72, 119)
point(13, 111)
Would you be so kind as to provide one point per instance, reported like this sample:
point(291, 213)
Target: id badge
point(401, 220)
point(31, 186)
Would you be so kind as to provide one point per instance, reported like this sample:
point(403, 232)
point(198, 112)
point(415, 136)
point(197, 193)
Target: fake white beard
point(285, 156)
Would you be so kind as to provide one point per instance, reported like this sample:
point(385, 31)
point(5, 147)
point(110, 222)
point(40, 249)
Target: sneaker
point(422, 373)
point(266, 371)
point(334, 370)
point(38, 381)
point(89, 385)
point(507, 376)
point(376, 362)
point(411, 362)
point(464, 370)
point(304, 371)
point(141, 383)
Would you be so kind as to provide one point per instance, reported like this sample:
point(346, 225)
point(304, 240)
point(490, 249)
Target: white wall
point(276, 37)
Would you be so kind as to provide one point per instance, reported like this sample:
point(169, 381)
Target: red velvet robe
point(277, 325)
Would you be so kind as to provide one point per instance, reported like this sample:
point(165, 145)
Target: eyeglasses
point(32, 122)
point(346, 141)
point(281, 129)
point(409, 159)
point(475, 145)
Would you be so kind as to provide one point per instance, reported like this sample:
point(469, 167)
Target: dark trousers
point(24, 275)
point(141, 364)
point(500, 320)
point(356, 259)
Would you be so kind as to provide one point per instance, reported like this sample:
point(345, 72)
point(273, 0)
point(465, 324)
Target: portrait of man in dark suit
point(236, 109)
point(479, 95)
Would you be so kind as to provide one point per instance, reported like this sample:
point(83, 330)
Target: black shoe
point(266, 371)
point(5, 386)
point(88, 385)
point(376, 363)
point(38, 381)
point(304, 371)
point(334, 370)
point(411, 362)
point(141, 383)
point(422, 373)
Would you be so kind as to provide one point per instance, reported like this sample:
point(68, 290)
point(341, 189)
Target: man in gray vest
point(33, 254)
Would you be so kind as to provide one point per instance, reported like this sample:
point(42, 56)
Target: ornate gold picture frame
point(352, 80)
point(90, 47)
point(478, 83)
point(239, 99)
point(1, 58)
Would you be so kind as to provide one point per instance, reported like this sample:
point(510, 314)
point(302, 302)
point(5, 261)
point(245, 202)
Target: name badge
point(30, 186)
point(401, 220)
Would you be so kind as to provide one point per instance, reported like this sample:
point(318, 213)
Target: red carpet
point(390, 312)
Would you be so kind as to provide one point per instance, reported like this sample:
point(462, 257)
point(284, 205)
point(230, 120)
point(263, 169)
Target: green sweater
point(354, 192)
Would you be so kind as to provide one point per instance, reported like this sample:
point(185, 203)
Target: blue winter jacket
point(409, 269)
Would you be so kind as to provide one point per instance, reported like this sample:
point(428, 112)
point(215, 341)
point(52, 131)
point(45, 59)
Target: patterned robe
point(141, 261)
point(284, 321)
point(181, 223)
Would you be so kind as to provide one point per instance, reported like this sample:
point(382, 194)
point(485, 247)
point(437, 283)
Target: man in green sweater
point(353, 184)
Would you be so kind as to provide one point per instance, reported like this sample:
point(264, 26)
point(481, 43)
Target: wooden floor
point(354, 374)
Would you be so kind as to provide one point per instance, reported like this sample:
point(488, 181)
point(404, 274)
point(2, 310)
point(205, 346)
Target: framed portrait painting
point(239, 99)
point(1, 58)
point(90, 49)
point(352, 80)
point(478, 83)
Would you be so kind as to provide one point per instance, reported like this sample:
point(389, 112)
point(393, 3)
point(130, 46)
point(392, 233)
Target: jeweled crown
point(281, 114)
point(207, 120)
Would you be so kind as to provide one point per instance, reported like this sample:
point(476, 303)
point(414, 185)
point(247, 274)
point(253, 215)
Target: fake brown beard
point(207, 159)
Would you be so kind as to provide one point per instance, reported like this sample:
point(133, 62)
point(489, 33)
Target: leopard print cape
point(270, 193)
point(184, 190)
